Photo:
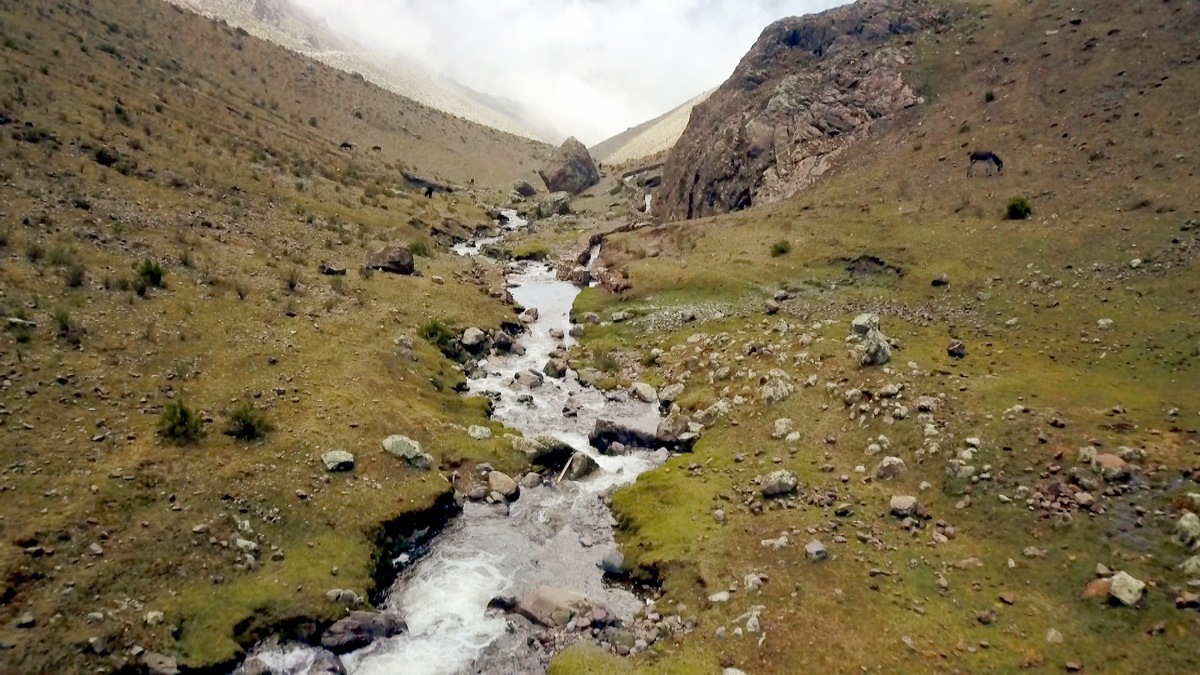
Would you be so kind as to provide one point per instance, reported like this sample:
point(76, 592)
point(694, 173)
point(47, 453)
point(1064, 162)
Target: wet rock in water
point(815, 551)
point(607, 432)
point(903, 506)
point(643, 392)
point(1126, 590)
point(159, 664)
point(582, 465)
point(504, 484)
point(779, 483)
point(394, 260)
point(1111, 468)
point(530, 379)
point(588, 377)
point(890, 468)
point(868, 343)
point(571, 169)
point(544, 451)
point(408, 450)
point(1187, 530)
point(556, 368)
point(531, 480)
point(551, 607)
point(580, 276)
point(338, 460)
point(479, 433)
point(253, 666)
point(326, 663)
point(613, 563)
point(957, 349)
point(361, 629)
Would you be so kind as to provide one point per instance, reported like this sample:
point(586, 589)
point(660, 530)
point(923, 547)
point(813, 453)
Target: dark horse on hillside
point(988, 157)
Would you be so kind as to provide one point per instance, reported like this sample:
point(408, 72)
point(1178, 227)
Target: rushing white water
point(552, 535)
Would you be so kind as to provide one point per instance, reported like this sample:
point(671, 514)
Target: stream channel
point(554, 535)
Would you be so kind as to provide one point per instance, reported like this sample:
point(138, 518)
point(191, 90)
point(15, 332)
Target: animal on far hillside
point(988, 157)
point(428, 191)
point(346, 145)
point(376, 148)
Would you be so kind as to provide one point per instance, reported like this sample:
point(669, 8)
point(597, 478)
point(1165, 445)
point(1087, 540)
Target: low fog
point(589, 68)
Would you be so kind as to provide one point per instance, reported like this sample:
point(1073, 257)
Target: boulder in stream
point(581, 465)
point(544, 451)
point(607, 432)
point(326, 663)
point(503, 484)
point(551, 607)
point(361, 629)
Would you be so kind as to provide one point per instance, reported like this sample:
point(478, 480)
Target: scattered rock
point(479, 433)
point(890, 468)
point(1111, 467)
point(779, 483)
point(940, 280)
point(643, 392)
point(408, 450)
point(394, 260)
point(338, 460)
point(158, 664)
point(957, 349)
point(903, 506)
point(326, 663)
point(1126, 590)
point(1187, 530)
point(869, 345)
point(332, 269)
point(473, 338)
point(581, 465)
point(504, 484)
point(815, 551)
point(551, 607)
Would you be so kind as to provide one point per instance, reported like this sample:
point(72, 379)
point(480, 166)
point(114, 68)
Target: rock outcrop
point(571, 170)
point(809, 88)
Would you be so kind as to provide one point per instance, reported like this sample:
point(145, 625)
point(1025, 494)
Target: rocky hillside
point(648, 138)
point(282, 22)
point(194, 312)
point(810, 88)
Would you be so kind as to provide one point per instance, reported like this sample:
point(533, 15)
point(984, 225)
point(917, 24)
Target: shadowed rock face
point(808, 89)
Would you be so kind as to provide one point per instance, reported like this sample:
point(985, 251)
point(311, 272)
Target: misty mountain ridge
point(285, 24)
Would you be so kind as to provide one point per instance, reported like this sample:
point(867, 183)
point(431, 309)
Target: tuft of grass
point(989, 96)
point(247, 423)
point(292, 279)
point(420, 248)
point(444, 338)
point(75, 275)
point(180, 424)
point(68, 328)
point(1018, 209)
point(531, 251)
point(780, 248)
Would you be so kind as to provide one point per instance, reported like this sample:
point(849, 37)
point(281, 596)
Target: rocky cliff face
point(809, 89)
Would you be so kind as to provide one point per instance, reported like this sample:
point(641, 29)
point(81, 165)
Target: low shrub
point(781, 247)
point(151, 273)
point(247, 423)
point(1018, 209)
point(180, 424)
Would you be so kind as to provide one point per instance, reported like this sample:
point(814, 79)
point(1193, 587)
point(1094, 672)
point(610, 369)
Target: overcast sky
point(591, 68)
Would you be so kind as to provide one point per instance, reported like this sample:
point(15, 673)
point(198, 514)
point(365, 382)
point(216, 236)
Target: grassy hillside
point(1080, 330)
point(169, 186)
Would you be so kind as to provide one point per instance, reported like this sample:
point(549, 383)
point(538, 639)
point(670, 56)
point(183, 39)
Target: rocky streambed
point(521, 572)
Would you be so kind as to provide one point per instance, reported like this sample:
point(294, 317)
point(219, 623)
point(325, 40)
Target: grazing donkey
point(988, 157)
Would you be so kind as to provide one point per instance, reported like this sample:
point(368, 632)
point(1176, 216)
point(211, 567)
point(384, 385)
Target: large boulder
point(571, 169)
point(338, 460)
point(544, 451)
point(524, 189)
point(551, 607)
point(582, 465)
point(890, 468)
point(504, 484)
point(408, 450)
point(326, 663)
point(779, 483)
point(1126, 590)
point(554, 204)
point(1187, 530)
point(361, 629)
point(607, 432)
point(810, 89)
point(867, 342)
point(394, 260)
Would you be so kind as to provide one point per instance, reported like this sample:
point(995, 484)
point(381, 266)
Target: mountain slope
point(175, 207)
point(648, 138)
point(281, 22)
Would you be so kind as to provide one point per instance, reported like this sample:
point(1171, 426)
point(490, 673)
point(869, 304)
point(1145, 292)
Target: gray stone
point(890, 468)
point(326, 663)
point(670, 392)
point(504, 484)
point(613, 563)
point(158, 664)
point(815, 551)
point(26, 620)
point(1187, 530)
point(863, 324)
point(394, 260)
point(408, 450)
point(338, 460)
point(582, 465)
point(473, 337)
point(643, 392)
point(571, 169)
point(903, 506)
point(783, 427)
point(343, 596)
point(779, 483)
point(777, 387)
point(556, 368)
point(479, 433)
point(1126, 590)
point(1191, 567)
point(551, 607)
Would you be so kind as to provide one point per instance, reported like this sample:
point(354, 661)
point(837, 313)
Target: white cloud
point(590, 68)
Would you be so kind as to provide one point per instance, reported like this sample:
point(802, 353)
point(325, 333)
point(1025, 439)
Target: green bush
point(989, 96)
point(420, 248)
point(444, 338)
point(151, 273)
point(180, 424)
point(781, 247)
point(246, 423)
point(1018, 209)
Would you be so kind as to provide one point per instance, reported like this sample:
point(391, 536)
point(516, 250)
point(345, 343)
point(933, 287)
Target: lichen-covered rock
point(571, 170)
point(408, 450)
point(779, 483)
